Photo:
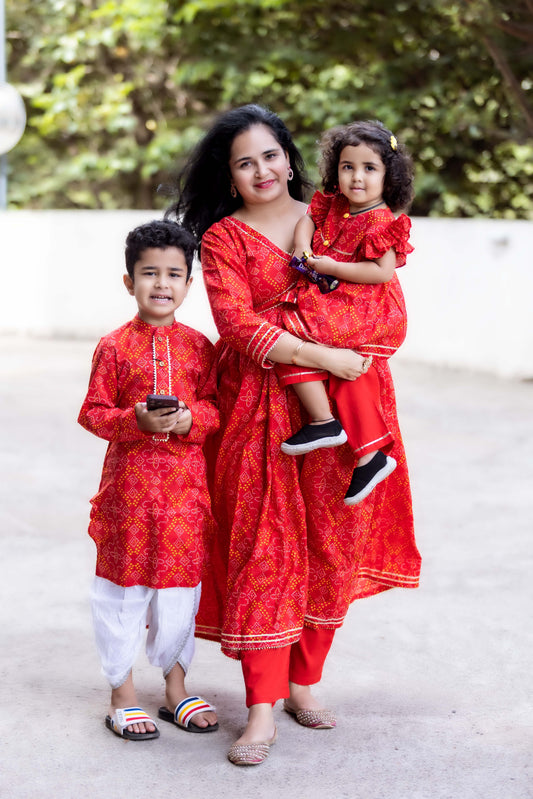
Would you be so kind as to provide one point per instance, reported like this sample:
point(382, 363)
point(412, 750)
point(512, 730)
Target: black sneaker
point(315, 436)
point(365, 478)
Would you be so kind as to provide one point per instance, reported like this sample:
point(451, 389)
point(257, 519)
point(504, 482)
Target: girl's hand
point(323, 264)
point(184, 421)
point(346, 364)
point(158, 421)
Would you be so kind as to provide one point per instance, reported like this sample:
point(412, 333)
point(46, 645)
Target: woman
point(290, 556)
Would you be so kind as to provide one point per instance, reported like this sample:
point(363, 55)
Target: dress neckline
point(256, 232)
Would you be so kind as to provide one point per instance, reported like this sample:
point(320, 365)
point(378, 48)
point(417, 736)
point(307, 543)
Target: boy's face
point(160, 284)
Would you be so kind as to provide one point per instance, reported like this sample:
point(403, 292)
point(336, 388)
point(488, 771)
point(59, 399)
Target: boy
point(152, 511)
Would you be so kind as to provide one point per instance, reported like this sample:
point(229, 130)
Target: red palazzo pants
point(358, 404)
point(267, 672)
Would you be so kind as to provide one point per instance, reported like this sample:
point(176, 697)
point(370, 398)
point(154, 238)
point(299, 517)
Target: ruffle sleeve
point(384, 236)
point(319, 208)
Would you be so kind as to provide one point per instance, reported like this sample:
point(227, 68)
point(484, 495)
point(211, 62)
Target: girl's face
point(259, 166)
point(361, 175)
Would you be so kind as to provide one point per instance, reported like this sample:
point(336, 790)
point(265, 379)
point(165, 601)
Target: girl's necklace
point(364, 210)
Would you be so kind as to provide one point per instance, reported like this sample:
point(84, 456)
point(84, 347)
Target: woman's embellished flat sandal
point(315, 719)
point(251, 754)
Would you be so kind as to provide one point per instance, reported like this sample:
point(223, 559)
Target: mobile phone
point(154, 401)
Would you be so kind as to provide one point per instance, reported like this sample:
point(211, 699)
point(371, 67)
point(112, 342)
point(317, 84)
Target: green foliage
point(118, 92)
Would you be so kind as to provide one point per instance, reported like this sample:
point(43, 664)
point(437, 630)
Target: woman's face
point(259, 166)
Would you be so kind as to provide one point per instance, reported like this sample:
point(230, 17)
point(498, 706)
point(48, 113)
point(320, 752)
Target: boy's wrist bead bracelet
point(297, 350)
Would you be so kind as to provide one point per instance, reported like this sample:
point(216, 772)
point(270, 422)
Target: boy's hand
point(184, 421)
point(161, 421)
point(158, 421)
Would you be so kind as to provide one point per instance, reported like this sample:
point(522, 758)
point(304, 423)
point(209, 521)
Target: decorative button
point(161, 363)
point(161, 391)
point(345, 216)
point(326, 242)
point(160, 338)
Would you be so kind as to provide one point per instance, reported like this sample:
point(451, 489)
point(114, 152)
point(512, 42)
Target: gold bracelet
point(297, 350)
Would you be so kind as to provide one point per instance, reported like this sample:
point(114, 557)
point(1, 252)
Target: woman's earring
point(290, 173)
point(233, 191)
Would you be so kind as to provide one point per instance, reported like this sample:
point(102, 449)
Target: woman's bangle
point(297, 350)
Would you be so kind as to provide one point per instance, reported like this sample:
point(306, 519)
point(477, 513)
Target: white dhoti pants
point(120, 616)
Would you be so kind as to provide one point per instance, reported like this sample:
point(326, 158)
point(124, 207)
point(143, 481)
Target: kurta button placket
point(159, 362)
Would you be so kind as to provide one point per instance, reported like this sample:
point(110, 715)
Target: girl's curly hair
point(398, 190)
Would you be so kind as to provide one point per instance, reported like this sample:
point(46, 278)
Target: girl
point(356, 240)
point(285, 567)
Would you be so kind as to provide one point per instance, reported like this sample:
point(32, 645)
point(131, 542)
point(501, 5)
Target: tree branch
point(506, 72)
point(523, 32)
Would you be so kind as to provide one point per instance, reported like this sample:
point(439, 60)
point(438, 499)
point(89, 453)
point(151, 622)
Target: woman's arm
point(224, 270)
point(343, 363)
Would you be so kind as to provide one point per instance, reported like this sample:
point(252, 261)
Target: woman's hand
point(161, 421)
point(346, 364)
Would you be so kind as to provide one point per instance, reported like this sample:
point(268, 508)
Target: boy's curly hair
point(159, 234)
point(398, 190)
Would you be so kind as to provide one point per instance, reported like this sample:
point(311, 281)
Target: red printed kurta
point(289, 550)
point(152, 512)
point(364, 316)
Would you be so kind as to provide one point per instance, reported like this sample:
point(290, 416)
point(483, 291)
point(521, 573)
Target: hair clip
point(394, 142)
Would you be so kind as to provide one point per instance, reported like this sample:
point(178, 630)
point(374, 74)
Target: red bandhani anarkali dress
point(289, 552)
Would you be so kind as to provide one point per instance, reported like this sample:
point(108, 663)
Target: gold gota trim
point(324, 622)
point(307, 372)
point(300, 329)
point(376, 441)
point(254, 636)
point(262, 341)
point(389, 578)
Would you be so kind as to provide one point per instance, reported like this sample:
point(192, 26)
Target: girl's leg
point(323, 430)
point(314, 398)
point(119, 617)
point(170, 643)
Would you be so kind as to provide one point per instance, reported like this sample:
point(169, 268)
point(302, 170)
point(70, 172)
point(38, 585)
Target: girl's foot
point(314, 436)
point(366, 477)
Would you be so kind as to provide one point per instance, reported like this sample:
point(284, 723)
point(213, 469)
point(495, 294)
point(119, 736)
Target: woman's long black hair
point(203, 186)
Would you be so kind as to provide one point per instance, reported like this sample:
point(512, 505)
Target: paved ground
point(433, 687)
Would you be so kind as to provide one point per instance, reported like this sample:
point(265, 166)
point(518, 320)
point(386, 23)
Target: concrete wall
point(468, 285)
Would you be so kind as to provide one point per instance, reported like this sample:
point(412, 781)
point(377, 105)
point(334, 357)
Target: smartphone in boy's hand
point(154, 401)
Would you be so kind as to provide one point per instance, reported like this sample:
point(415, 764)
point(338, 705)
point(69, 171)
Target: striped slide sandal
point(186, 710)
